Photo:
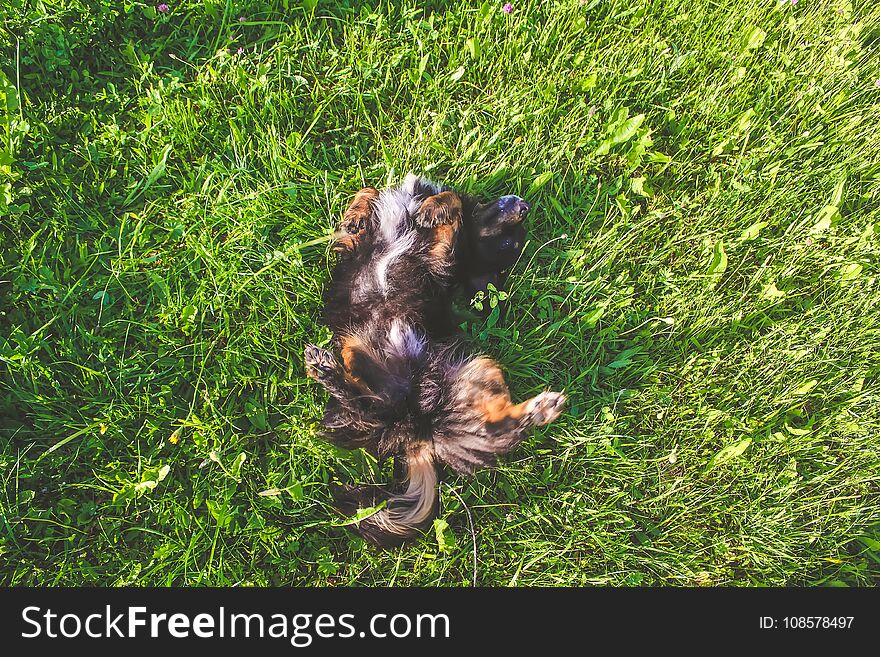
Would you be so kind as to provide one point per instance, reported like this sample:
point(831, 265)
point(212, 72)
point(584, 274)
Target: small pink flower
point(877, 83)
point(507, 9)
point(163, 8)
point(241, 19)
point(240, 51)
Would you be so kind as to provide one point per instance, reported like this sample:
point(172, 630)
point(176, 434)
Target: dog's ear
point(440, 209)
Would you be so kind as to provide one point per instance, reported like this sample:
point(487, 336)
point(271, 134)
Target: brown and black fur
point(401, 384)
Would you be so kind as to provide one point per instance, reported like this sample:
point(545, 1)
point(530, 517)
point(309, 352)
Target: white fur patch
point(395, 208)
point(404, 341)
point(401, 246)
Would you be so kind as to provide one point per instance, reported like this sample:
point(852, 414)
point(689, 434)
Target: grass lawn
point(702, 279)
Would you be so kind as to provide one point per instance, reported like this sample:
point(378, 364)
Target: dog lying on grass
point(402, 385)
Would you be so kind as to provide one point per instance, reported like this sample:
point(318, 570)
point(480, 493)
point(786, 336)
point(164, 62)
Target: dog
point(403, 385)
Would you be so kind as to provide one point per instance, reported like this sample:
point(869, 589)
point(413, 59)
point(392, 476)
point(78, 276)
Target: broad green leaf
point(623, 205)
point(805, 388)
point(163, 472)
point(730, 452)
point(362, 514)
point(150, 479)
point(794, 431)
point(618, 117)
point(752, 231)
point(539, 182)
point(557, 206)
point(745, 121)
point(237, 463)
point(626, 130)
point(9, 98)
point(473, 46)
point(770, 291)
point(624, 358)
point(719, 149)
point(445, 537)
point(850, 271)
point(256, 414)
point(638, 149)
point(485, 11)
point(719, 259)
point(823, 219)
point(593, 316)
point(188, 313)
point(657, 156)
point(639, 187)
point(220, 512)
point(589, 82)
point(755, 38)
point(296, 491)
point(105, 298)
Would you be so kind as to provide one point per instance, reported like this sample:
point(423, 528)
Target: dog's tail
point(404, 515)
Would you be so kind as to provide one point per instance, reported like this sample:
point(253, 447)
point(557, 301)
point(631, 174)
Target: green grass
point(702, 280)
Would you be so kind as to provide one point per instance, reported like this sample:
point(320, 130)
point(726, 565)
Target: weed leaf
point(752, 231)
point(729, 452)
point(719, 259)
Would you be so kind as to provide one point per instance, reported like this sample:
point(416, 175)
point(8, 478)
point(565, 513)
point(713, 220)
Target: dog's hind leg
point(348, 425)
point(361, 375)
point(441, 214)
point(481, 422)
point(439, 209)
point(357, 220)
point(323, 368)
point(388, 379)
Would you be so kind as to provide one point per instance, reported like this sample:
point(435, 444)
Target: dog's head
point(495, 235)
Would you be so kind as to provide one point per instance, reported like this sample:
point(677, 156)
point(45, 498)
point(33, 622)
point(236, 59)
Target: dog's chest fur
point(382, 291)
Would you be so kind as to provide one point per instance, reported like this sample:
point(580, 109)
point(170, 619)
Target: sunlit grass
point(701, 280)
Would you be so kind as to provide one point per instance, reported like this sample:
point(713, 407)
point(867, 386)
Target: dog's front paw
point(319, 362)
point(545, 408)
